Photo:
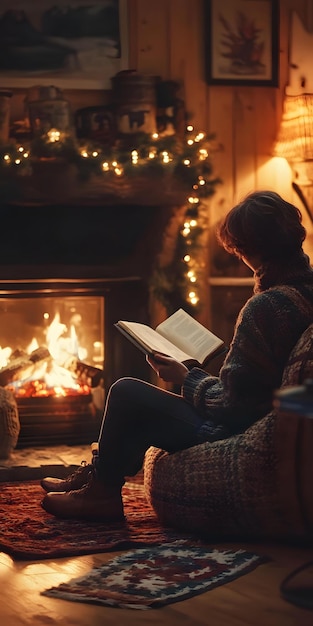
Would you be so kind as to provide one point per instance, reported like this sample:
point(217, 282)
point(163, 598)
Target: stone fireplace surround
point(55, 248)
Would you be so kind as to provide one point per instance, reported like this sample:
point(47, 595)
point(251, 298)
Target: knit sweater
point(268, 327)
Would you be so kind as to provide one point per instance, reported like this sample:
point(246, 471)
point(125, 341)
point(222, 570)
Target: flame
point(5, 354)
point(54, 376)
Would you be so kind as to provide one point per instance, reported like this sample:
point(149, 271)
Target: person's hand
point(170, 370)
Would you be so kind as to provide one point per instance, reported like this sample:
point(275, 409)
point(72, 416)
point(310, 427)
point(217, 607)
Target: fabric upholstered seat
point(9, 423)
point(243, 487)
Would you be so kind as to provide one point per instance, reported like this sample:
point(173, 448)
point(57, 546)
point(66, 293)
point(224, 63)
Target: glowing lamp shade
point(295, 137)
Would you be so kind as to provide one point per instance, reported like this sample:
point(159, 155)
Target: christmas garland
point(187, 159)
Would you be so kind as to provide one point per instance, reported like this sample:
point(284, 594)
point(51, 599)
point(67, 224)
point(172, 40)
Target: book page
point(151, 341)
point(189, 335)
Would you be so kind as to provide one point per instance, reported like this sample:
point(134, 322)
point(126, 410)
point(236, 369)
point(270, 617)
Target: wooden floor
point(252, 600)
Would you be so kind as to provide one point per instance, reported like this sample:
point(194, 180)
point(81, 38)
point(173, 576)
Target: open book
point(179, 336)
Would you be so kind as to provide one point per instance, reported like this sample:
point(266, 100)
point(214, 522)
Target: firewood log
point(21, 363)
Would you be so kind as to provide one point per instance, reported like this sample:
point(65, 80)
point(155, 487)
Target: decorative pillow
point(9, 423)
point(300, 363)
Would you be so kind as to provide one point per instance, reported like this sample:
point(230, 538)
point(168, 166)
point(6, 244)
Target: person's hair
point(264, 225)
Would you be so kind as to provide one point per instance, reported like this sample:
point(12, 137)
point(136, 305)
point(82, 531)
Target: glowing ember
point(39, 389)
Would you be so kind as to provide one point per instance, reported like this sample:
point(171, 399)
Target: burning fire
point(46, 371)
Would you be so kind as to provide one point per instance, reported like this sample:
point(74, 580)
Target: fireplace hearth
point(68, 260)
point(57, 421)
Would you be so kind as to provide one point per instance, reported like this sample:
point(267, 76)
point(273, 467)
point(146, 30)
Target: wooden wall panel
point(150, 37)
point(221, 123)
point(244, 141)
point(188, 36)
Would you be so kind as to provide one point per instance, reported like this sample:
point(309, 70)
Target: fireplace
point(71, 272)
point(60, 390)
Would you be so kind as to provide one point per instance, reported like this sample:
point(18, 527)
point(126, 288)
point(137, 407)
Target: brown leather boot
point(93, 503)
point(78, 479)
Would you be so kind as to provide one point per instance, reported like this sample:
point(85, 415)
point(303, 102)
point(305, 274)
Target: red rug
point(28, 532)
point(153, 577)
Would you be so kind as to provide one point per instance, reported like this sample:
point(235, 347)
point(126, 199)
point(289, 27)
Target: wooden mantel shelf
point(59, 183)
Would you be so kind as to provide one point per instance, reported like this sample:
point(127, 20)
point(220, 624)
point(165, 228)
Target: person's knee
point(124, 389)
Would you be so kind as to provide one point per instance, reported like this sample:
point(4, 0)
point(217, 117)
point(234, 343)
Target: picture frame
point(70, 44)
point(242, 42)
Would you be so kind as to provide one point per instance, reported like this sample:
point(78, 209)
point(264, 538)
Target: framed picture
point(241, 42)
point(71, 44)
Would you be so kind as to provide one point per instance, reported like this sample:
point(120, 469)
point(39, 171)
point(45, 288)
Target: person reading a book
point(267, 234)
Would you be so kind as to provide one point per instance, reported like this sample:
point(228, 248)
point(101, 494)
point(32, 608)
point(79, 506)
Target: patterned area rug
point(28, 532)
point(153, 577)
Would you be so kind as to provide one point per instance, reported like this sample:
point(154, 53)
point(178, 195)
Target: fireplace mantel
point(57, 181)
point(105, 225)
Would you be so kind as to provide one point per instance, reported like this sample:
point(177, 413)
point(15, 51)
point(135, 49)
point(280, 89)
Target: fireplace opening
point(60, 352)
point(84, 265)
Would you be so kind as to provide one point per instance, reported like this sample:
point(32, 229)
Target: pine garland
point(186, 160)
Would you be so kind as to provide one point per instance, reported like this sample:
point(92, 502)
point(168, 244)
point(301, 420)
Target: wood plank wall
point(167, 38)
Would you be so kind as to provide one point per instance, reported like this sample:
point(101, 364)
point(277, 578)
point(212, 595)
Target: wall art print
point(242, 42)
point(73, 44)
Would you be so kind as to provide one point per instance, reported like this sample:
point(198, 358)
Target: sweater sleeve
point(251, 371)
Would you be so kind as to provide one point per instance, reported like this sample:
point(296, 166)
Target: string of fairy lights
point(188, 159)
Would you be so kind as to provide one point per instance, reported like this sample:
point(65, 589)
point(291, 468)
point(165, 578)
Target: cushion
point(300, 362)
point(236, 488)
point(9, 423)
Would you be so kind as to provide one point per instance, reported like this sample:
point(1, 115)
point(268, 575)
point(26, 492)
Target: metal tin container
point(134, 96)
point(48, 109)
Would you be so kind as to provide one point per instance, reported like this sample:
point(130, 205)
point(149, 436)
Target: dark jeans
point(138, 415)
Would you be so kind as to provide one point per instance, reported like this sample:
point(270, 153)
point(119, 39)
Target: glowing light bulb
point(134, 156)
point(105, 166)
point(84, 154)
point(186, 162)
point(187, 258)
point(190, 128)
point(53, 135)
point(95, 153)
point(194, 300)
